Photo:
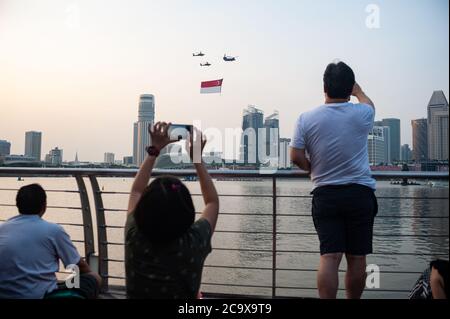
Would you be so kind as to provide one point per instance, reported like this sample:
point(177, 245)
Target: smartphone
point(178, 132)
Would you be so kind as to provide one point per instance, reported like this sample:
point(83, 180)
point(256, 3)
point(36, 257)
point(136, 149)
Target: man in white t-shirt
point(330, 142)
point(30, 250)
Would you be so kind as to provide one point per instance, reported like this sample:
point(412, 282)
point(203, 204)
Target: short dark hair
point(31, 199)
point(338, 80)
point(165, 210)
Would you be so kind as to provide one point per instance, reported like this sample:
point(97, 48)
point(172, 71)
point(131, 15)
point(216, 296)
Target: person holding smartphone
point(165, 248)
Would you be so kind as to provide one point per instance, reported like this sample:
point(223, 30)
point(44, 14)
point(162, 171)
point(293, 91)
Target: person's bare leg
point(355, 278)
point(327, 276)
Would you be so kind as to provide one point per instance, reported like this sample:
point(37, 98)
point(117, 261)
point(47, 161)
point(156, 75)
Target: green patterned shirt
point(169, 270)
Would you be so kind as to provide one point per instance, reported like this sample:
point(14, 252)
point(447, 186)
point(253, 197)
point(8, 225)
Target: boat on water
point(405, 183)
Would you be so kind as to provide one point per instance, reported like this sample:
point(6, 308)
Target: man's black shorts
point(343, 216)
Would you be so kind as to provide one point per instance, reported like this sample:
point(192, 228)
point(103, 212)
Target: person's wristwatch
point(152, 151)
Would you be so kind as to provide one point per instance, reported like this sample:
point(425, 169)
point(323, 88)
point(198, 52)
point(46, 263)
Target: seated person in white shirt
point(30, 250)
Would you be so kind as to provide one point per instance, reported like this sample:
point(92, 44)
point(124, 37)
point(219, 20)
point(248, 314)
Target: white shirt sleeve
point(65, 250)
point(298, 140)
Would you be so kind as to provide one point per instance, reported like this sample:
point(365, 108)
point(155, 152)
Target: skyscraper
point(406, 154)
point(272, 128)
point(54, 157)
point(394, 137)
point(33, 141)
point(146, 117)
point(135, 139)
point(438, 127)
point(5, 147)
point(376, 145)
point(420, 140)
point(285, 157)
point(108, 158)
point(252, 121)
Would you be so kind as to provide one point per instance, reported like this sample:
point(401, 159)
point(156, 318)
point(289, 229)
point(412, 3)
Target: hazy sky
point(75, 69)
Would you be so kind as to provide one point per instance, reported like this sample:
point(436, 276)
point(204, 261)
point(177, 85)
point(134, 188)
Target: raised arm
point(159, 139)
point(210, 197)
point(361, 96)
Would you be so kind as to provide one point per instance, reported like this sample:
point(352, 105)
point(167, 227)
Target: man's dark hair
point(338, 80)
point(31, 199)
point(165, 210)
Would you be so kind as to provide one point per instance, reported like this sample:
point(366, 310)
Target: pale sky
point(75, 69)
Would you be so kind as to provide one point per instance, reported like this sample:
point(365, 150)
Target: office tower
point(420, 140)
point(135, 139)
point(128, 160)
point(56, 156)
point(406, 153)
point(394, 137)
point(252, 121)
point(438, 127)
point(108, 158)
point(5, 147)
point(285, 156)
point(33, 141)
point(146, 117)
point(377, 146)
point(272, 136)
point(387, 144)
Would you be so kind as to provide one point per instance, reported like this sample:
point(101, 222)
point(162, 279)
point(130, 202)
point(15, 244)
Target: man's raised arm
point(361, 96)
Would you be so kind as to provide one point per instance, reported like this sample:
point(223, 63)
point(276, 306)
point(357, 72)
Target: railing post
point(87, 218)
point(101, 233)
point(274, 236)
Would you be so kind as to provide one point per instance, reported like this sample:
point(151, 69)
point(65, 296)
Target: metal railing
point(102, 227)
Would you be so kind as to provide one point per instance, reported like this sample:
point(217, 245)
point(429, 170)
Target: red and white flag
point(211, 86)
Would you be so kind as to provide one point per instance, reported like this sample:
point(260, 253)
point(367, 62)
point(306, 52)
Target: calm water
point(416, 233)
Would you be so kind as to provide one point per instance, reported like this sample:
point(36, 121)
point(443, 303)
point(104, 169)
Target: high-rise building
point(406, 153)
point(128, 160)
point(135, 139)
point(377, 146)
point(420, 140)
point(394, 137)
point(438, 127)
point(33, 141)
point(108, 158)
point(272, 127)
point(252, 122)
point(54, 157)
point(146, 117)
point(285, 157)
point(5, 147)
point(387, 141)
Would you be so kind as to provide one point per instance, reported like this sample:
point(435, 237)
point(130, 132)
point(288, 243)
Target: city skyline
point(81, 85)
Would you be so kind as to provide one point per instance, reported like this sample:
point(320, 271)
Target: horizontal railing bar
point(341, 289)
point(47, 190)
point(378, 216)
point(375, 235)
point(236, 285)
point(77, 241)
point(295, 215)
point(293, 196)
point(107, 172)
point(53, 207)
point(238, 267)
point(111, 276)
point(114, 260)
point(302, 251)
point(70, 224)
point(378, 197)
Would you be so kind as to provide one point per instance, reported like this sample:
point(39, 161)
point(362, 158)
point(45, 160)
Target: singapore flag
point(211, 86)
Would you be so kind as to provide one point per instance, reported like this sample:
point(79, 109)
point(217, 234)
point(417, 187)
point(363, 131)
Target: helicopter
point(229, 58)
point(205, 64)
point(198, 54)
